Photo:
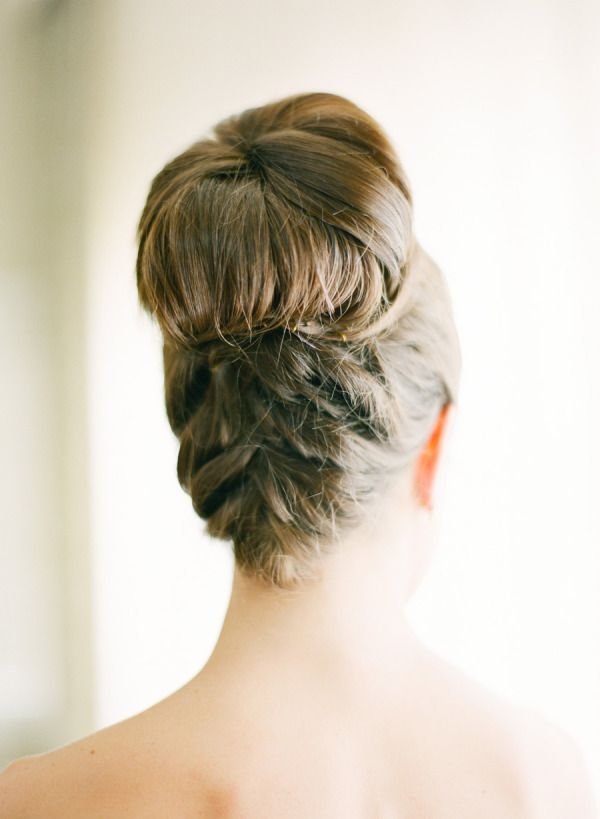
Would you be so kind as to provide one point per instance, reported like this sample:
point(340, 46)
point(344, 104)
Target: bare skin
point(321, 703)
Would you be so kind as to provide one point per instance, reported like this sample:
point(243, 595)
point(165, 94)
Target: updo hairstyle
point(309, 343)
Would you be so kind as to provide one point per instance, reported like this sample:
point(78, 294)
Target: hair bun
point(295, 212)
point(261, 248)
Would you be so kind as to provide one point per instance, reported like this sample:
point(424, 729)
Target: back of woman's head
point(309, 343)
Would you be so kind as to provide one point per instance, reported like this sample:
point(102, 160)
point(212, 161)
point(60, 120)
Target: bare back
point(272, 746)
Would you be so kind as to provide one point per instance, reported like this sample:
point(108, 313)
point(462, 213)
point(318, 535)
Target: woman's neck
point(353, 614)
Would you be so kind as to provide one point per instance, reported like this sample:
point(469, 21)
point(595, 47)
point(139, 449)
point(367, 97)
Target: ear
point(427, 461)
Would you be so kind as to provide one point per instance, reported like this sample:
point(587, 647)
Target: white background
point(112, 596)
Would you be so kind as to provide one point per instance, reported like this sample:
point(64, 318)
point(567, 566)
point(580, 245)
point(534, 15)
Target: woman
point(311, 365)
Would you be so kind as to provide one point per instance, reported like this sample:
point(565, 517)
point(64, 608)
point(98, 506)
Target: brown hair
point(308, 339)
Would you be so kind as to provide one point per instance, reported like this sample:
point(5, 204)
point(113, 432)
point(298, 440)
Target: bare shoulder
point(528, 766)
point(103, 774)
point(553, 770)
point(58, 782)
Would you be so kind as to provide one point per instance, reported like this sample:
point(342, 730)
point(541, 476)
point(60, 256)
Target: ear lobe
point(426, 465)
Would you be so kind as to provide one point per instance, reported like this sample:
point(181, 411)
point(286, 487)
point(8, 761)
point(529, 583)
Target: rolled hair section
point(297, 211)
point(308, 339)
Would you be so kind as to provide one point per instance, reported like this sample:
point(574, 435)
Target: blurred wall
point(45, 613)
point(491, 107)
